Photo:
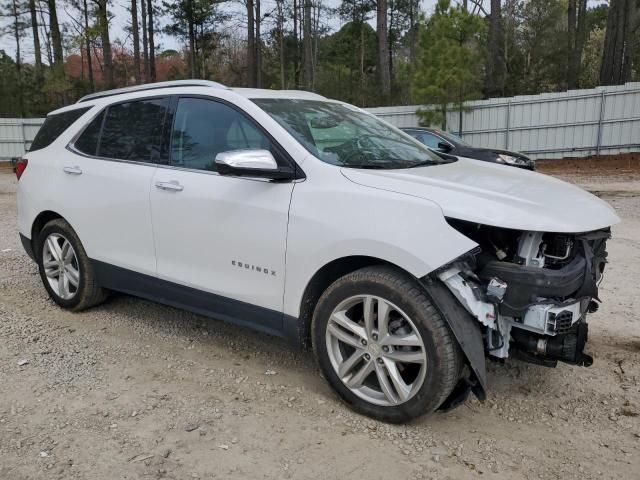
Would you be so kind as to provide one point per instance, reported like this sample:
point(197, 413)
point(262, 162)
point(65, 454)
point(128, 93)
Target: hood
point(496, 195)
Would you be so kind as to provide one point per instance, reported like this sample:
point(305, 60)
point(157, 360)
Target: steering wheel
point(353, 151)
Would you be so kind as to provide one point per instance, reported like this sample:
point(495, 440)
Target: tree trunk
point(581, 34)
point(145, 43)
point(15, 13)
point(136, 40)
point(296, 40)
point(107, 59)
point(258, 47)
point(494, 80)
point(618, 43)
point(36, 40)
point(306, 46)
point(630, 28)
point(412, 32)
point(45, 37)
point(192, 39)
point(383, 49)
point(315, 33)
point(152, 50)
point(391, 37)
point(88, 45)
point(280, 7)
point(251, 45)
point(576, 34)
point(572, 79)
point(56, 41)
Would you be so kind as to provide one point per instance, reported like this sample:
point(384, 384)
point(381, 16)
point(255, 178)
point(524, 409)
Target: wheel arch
point(39, 222)
point(299, 328)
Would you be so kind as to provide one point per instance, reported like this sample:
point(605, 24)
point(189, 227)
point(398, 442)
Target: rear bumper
point(28, 247)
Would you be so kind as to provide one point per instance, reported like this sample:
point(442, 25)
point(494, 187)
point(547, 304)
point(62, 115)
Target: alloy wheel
point(61, 266)
point(376, 350)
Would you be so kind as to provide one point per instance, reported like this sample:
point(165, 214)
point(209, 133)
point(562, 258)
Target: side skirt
point(194, 300)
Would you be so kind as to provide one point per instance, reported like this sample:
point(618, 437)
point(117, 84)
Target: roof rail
point(152, 86)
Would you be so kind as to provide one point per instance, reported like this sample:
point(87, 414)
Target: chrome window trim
point(211, 172)
point(73, 149)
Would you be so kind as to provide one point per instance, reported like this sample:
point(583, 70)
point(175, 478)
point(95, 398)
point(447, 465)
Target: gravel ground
point(132, 389)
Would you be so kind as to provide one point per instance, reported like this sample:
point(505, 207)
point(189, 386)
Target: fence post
point(506, 135)
point(24, 137)
point(600, 122)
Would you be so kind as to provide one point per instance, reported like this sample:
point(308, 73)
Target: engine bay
point(531, 291)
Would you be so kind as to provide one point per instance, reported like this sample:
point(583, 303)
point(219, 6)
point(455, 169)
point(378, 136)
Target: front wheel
point(382, 345)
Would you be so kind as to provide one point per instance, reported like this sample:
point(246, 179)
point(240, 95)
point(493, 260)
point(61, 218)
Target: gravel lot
point(133, 389)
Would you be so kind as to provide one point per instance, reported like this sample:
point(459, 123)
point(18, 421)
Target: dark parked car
point(451, 144)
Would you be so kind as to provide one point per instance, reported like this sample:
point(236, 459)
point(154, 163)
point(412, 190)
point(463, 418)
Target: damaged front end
point(530, 291)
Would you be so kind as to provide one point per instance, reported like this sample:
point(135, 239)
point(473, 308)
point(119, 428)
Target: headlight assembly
point(511, 160)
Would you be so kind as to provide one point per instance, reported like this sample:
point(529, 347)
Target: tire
point(87, 293)
point(435, 359)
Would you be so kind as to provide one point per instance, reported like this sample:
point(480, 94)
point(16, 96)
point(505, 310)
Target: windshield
point(347, 136)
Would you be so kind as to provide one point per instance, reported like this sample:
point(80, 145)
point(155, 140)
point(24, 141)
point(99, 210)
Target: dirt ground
point(133, 390)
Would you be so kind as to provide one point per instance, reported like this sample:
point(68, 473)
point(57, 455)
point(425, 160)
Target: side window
point(87, 142)
point(54, 126)
point(243, 135)
point(429, 140)
point(203, 128)
point(133, 130)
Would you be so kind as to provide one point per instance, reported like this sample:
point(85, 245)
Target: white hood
point(497, 195)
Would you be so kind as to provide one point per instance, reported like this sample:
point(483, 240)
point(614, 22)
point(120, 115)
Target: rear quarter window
point(87, 142)
point(54, 126)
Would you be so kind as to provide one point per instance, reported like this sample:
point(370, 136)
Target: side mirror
point(251, 163)
point(444, 147)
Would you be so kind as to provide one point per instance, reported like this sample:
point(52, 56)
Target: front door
point(222, 235)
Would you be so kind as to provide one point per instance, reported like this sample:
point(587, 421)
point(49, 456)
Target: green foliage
point(439, 60)
point(591, 58)
point(450, 63)
point(544, 43)
point(348, 64)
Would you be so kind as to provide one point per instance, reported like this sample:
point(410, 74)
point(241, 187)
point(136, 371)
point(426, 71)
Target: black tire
point(88, 293)
point(444, 357)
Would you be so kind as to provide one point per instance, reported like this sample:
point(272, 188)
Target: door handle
point(173, 186)
point(73, 170)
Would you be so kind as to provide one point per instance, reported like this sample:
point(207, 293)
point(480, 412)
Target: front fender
point(332, 218)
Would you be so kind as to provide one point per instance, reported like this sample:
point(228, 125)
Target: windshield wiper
point(424, 163)
point(366, 166)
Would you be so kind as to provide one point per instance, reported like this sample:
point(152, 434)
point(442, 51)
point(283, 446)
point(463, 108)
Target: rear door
point(106, 182)
point(221, 234)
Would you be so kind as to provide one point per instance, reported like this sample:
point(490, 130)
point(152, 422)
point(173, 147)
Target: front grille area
point(560, 322)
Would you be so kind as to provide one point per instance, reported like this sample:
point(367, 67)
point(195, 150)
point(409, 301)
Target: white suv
point(312, 219)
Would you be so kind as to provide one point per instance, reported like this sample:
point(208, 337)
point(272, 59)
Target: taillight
point(21, 166)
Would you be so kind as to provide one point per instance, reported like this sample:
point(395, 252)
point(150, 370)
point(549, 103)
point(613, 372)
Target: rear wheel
point(382, 345)
point(65, 269)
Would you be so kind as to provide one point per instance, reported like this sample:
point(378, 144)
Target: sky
point(121, 18)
